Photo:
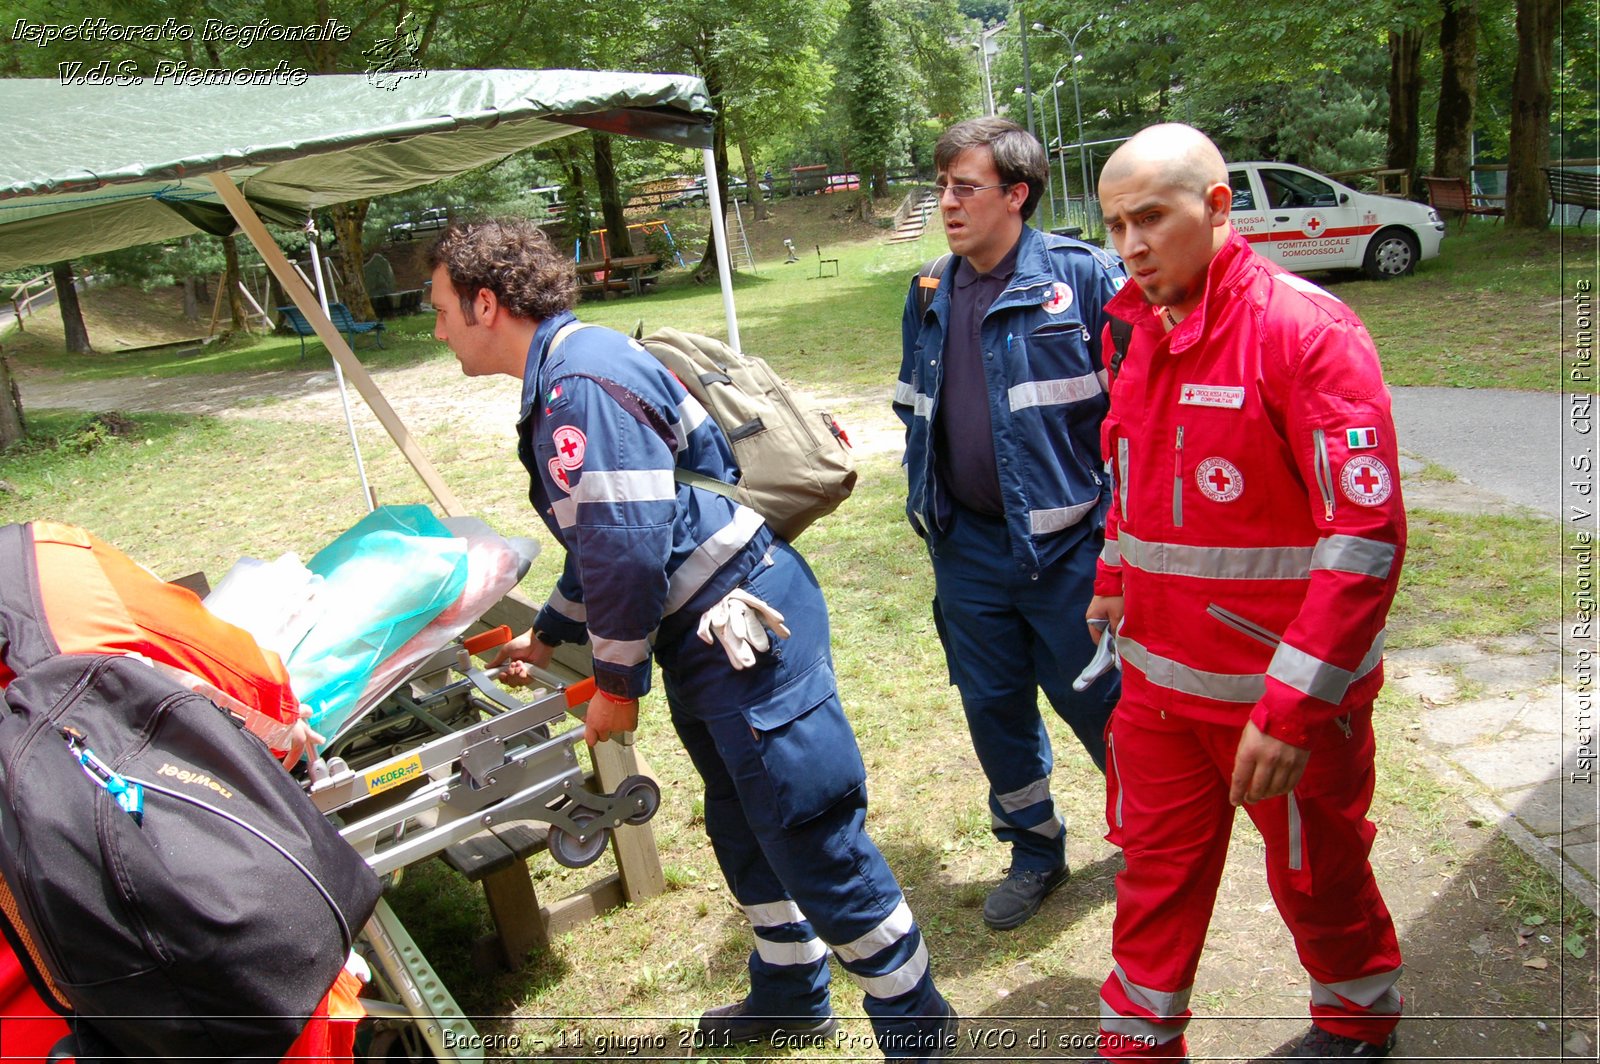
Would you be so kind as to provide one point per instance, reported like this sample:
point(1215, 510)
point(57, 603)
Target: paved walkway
point(1499, 718)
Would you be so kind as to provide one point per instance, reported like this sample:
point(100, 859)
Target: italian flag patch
point(1361, 439)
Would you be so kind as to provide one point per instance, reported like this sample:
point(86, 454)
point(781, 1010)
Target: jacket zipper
point(1324, 471)
point(1177, 480)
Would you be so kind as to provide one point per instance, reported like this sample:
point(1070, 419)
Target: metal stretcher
point(444, 757)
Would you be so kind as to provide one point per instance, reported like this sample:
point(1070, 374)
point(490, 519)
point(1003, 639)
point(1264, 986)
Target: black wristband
point(545, 638)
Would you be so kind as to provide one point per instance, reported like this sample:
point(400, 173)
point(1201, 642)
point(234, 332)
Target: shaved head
point(1165, 199)
point(1183, 157)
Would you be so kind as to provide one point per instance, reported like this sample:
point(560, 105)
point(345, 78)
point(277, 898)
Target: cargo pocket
point(809, 756)
point(1297, 856)
point(951, 670)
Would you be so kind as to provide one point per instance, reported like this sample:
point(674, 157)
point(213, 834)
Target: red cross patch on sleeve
point(1366, 481)
point(570, 443)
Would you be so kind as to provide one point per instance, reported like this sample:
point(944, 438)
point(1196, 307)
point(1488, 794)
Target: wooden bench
point(1452, 194)
point(342, 320)
point(1573, 188)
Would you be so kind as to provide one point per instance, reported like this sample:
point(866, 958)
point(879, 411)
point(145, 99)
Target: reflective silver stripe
point(1300, 284)
point(619, 651)
point(572, 611)
point(1052, 393)
point(690, 417)
point(1312, 676)
point(787, 953)
point(1134, 1027)
point(1050, 829)
point(1353, 554)
point(626, 485)
point(1043, 522)
point(921, 405)
point(1165, 1003)
point(1022, 797)
point(1375, 993)
point(710, 556)
point(773, 914)
point(1122, 471)
point(1217, 563)
point(1175, 676)
point(1111, 553)
point(899, 981)
point(892, 930)
point(1296, 851)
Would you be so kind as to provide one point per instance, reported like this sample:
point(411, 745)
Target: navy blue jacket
point(1042, 363)
point(602, 426)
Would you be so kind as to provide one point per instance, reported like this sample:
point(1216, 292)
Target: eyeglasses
point(966, 191)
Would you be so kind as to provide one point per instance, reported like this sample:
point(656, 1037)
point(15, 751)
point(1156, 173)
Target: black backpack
point(168, 887)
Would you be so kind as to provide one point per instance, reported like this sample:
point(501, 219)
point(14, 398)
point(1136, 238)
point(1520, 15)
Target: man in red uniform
point(1252, 552)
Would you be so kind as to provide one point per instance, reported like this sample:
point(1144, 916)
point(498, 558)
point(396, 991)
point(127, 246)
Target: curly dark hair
point(512, 258)
point(1018, 156)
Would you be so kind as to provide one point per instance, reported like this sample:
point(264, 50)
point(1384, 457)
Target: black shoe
point(933, 1044)
point(1019, 895)
point(1322, 1044)
point(728, 1025)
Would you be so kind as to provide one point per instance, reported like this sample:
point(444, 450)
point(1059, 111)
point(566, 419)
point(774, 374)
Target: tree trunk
point(756, 198)
point(1405, 98)
point(347, 221)
point(191, 298)
point(580, 218)
point(1527, 190)
point(239, 320)
point(12, 427)
point(77, 334)
point(1458, 90)
point(618, 241)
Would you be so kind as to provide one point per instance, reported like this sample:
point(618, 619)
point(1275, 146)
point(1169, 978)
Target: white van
point(1304, 221)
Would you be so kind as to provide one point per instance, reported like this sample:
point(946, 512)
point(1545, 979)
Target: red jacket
point(1256, 527)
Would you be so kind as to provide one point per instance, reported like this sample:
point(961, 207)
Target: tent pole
point(300, 295)
point(338, 374)
point(719, 236)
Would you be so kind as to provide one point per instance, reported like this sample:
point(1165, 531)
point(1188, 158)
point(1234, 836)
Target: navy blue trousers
point(785, 809)
point(1006, 635)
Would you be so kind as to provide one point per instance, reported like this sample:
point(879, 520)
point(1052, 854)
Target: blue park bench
point(342, 320)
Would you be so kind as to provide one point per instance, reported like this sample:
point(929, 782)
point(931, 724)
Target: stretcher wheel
point(566, 848)
point(644, 794)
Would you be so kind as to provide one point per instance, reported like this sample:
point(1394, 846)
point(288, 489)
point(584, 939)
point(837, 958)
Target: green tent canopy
point(91, 168)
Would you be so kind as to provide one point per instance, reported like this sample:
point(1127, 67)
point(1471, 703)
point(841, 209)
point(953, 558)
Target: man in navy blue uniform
point(1002, 391)
point(659, 569)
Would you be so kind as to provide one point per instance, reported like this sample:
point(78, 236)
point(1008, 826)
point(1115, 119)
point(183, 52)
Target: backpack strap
point(1121, 337)
point(928, 279)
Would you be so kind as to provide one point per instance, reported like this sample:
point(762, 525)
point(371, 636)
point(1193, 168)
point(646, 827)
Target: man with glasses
point(1002, 391)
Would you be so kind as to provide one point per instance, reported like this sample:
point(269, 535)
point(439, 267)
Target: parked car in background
point(417, 222)
point(694, 194)
point(1304, 221)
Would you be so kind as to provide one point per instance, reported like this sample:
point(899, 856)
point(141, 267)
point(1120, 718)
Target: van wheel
point(1393, 252)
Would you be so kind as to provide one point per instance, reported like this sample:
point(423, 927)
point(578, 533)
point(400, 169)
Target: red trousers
point(1167, 807)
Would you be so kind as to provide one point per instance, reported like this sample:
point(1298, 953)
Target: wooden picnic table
point(630, 269)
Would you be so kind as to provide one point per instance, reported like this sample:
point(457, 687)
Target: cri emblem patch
point(1060, 298)
point(570, 443)
point(1366, 480)
point(1219, 480)
point(559, 475)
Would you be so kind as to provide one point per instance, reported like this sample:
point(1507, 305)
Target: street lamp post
point(1077, 101)
point(1061, 146)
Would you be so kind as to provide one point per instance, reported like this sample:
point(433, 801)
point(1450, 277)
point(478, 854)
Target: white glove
point(1105, 659)
point(740, 622)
